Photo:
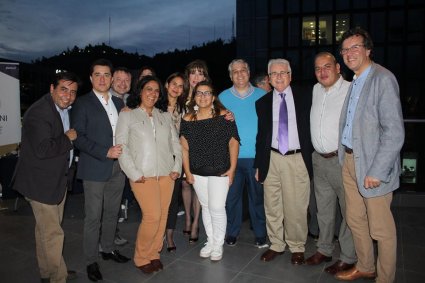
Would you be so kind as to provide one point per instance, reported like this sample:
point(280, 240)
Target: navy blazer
point(43, 164)
point(264, 108)
point(95, 137)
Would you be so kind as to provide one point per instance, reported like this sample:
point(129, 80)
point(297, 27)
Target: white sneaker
point(206, 251)
point(217, 254)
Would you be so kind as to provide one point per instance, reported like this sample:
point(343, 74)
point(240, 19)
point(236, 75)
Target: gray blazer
point(148, 151)
point(378, 132)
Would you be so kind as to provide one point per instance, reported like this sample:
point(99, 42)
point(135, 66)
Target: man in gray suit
point(94, 117)
point(371, 136)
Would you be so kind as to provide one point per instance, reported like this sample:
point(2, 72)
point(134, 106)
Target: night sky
point(30, 29)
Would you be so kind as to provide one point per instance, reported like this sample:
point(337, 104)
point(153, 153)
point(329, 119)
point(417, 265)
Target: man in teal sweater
point(240, 99)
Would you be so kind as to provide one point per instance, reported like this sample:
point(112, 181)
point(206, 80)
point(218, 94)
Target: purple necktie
point(283, 125)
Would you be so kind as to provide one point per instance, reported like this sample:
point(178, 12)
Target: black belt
point(329, 155)
point(289, 152)
point(348, 150)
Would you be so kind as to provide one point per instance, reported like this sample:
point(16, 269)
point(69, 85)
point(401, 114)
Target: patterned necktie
point(283, 125)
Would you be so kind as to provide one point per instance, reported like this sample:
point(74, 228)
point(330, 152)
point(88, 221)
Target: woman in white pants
point(210, 146)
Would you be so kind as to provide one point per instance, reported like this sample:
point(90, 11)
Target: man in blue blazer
point(94, 117)
point(41, 173)
point(371, 137)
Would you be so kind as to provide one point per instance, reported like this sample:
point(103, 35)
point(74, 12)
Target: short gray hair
point(278, 61)
point(242, 61)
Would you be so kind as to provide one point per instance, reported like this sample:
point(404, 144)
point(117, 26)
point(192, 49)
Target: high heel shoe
point(171, 249)
point(193, 240)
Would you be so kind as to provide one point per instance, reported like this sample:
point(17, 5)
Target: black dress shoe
point(115, 256)
point(71, 275)
point(93, 272)
point(231, 241)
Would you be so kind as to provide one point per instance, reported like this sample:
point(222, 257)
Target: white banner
point(10, 110)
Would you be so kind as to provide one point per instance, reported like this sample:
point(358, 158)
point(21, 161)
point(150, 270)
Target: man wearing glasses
point(283, 161)
point(371, 137)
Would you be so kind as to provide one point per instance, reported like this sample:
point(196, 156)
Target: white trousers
point(212, 194)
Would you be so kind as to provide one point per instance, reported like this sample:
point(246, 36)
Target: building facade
point(298, 29)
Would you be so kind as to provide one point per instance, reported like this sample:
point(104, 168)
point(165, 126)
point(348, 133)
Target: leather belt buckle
point(330, 154)
point(289, 152)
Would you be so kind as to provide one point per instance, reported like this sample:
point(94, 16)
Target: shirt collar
point(336, 85)
point(63, 110)
point(101, 96)
point(364, 74)
point(246, 94)
point(287, 90)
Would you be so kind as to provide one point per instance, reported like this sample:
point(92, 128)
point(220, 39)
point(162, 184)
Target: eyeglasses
point(206, 93)
point(355, 49)
point(282, 74)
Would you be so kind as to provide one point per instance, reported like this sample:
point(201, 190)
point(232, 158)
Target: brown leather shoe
point(353, 274)
point(338, 266)
point(147, 268)
point(157, 264)
point(317, 258)
point(270, 255)
point(297, 258)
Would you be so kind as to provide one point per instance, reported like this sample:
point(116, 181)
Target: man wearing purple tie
point(283, 161)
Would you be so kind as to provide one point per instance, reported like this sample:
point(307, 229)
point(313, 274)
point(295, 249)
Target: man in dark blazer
point(286, 172)
point(94, 117)
point(41, 172)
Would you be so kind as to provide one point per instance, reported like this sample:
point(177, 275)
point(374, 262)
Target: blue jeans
point(245, 176)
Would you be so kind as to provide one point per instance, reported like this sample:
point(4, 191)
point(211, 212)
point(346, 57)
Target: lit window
point(309, 31)
point(342, 24)
point(325, 30)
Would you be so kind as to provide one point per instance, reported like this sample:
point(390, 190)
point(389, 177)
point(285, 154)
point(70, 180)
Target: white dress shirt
point(111, 110)
point(325, 113)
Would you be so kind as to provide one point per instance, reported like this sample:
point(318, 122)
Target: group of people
point(341, 138)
